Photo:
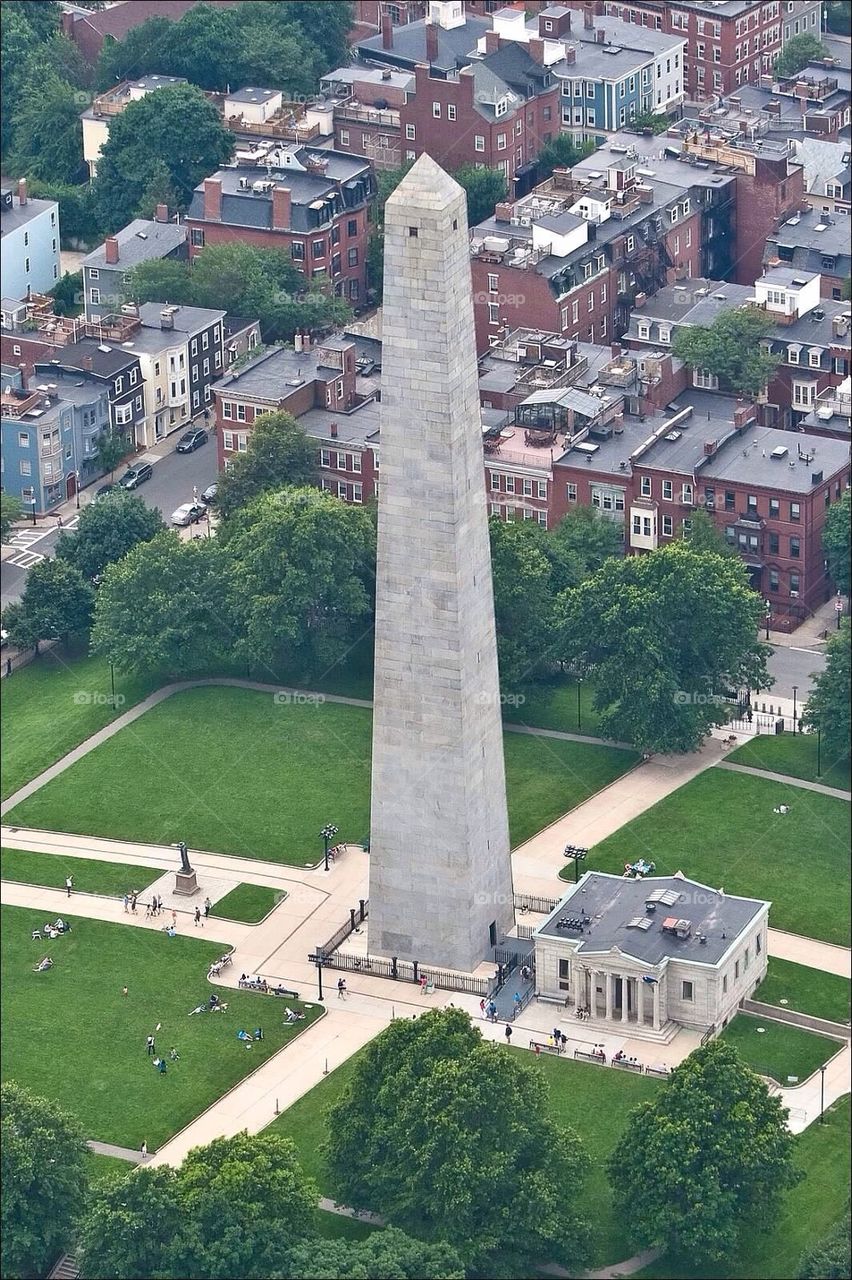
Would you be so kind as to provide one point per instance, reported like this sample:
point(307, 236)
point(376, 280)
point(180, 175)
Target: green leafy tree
point(78, 219)
point(707, 1160)
point(10, 511)
point(451, 1136)
point(387, 181)
point(838, 17)
point(797, 53)
point(47, 139)
point(107, 531)
point(650, 120)
point(244, 1202)
point(279, 453)
point(580, 544)
point(483, 188)
point(162, 280)
point(301, 574)
point(145, 49)
point(176, 127)
point(67, 294)
point(830, 699)
point(158, 190)
point(703, 535)
point(523, 600)
point(661, 633)
point(111, 449)
point(385, 1255)
point(57, 603)
point(41, 16)
point(18, 43)
point(43, 1163)
point(730, 348)
point(131, 1226)
point(561, 153)
point(830, 1258)
point(835, 541)
point(160, 608)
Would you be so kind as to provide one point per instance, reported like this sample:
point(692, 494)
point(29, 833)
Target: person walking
point(149, 1046)
point(341, 988)
point(197, 916)
point(207, 905)
point(144, 1150)
point(174, 919)
point(482, 1007)
point(508, 1034)
point(126, 900)
point(133, 897)
point(69, 883)
point(124, 991)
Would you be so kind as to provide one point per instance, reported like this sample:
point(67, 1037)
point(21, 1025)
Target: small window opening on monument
point(455, 224)
point(412, 231)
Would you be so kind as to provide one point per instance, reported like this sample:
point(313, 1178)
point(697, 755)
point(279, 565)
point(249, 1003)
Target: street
point(171, 484)
point(790, 667)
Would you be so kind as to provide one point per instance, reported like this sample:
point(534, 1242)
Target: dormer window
point(665, 333)
point(793, 355)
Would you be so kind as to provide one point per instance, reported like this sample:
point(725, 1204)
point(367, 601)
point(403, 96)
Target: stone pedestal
point(186, 883)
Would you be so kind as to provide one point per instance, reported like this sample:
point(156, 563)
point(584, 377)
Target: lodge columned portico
point(617, 997)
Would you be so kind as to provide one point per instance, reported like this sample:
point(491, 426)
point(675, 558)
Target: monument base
point(186, 883)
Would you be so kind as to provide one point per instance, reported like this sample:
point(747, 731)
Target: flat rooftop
point(608, 905)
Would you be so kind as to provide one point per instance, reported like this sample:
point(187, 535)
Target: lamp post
point(327, 834)
point(767, 614)
point(77, 488)
point(319, 973)
point(579, 711)
point(822, 1094)
point(579, 856)
point(795, 713)
point(33, 501)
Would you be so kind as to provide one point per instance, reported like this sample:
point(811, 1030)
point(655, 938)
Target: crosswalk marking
point(25, 559)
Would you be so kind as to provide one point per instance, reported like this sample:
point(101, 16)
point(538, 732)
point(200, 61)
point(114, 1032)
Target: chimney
point(570, 54)
point(24, 378)
point(387, 31)
point(588, 17)
point(503, 212)
point(88, 363)
point(111, 250)
point(492, 41)
point(162, 213)
point(615, 350)
point(431, 43)
point(213, 199)
point(742, 415)
point(640, 300)
point(536, 51)
point(280, 208)
point(333, 430)
point(600, 35)
point(840, 326)
point(167, 318)
point(709, 448)
point(22, 192)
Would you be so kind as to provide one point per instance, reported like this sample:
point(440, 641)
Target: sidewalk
point(810, 634)
point(786, 779)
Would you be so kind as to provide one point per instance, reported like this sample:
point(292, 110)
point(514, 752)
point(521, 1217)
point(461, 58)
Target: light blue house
point(29, 242)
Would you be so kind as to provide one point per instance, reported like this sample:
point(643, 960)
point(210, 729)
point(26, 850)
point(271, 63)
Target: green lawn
point(809, 1212)
point(795, 756)
point(107, 1168)
point(270, 776)
point(71, 1035)
point(552, 704)
point(592, 1100)
point(823, 995)
point(778, 1050)
point(721, 830)
point(248, 902)
point(89, 875)
point(52, 705)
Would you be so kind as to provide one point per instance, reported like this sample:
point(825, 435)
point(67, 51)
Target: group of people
point(583, 1011)
point(254, 984)
point(621, 1056)
point(488, 1009)
point(557, 1040)
point(51, 929)
point(249, 1040)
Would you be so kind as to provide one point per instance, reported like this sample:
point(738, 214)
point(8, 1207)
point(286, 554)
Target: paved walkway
point(810, 952)
point(786, 779)
point(117, 1153)
point(810, 634)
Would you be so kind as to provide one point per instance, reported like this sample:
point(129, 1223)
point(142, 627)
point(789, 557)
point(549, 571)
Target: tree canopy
point(160, 608)
point(176, 127)
point(662, 634)
point(560, 152)
point(835, 541)
point(300, 577)
point(451, 1137)
point(706, 1160)
point(278, 453)
point(524, 606)
point(10, 511)
point(830, 1258)
point(106, 531)
point(828, 707)
point(580, 545)
point(42, 1161)
point(797, 53)
point(57, 604)
point(483, 188)
point(385, 1255)
point(730, 349)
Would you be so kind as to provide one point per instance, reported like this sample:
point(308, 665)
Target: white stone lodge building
point(650, 956)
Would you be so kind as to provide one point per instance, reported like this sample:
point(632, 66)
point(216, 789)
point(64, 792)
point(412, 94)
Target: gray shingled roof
point(142, 240)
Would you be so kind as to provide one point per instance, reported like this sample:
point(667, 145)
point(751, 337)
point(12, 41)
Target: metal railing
point(409, 971)
point(340, 935)
point(532, 902)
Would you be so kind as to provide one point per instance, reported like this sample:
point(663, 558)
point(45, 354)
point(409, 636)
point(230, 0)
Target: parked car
point(105, 490)
point(209, 494)
point(189, 513)
point(134, 476)
point(192, 440)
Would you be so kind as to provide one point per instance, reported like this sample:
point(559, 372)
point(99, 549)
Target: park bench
point(545, 1047)
point(600, 1059)
point(283, 991)
point(664, 1072)
point(624, 1065)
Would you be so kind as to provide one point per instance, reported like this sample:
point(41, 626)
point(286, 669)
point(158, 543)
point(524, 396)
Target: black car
point(192, 440)
point(105, 490)
point(134, 476)
point(208, 497)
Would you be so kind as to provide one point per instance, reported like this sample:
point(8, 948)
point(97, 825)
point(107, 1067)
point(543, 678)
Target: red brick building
point(726, 45)
point(89, 30)
point(313, 205)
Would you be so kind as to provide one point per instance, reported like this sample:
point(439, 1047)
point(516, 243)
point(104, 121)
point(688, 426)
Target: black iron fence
point(409, 971)
point(356, 916)
point(532, 902)
point(525, 932)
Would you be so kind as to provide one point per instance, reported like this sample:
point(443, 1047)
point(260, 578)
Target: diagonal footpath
point(786, 779)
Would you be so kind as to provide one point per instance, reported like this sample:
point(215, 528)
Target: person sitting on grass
point(60, 926)
point(174, 1056)
point(199, 1008)
point(220, 1008)
point(43, 965)
point(292, 1016)
point(245, 1037)
point(160, 1064)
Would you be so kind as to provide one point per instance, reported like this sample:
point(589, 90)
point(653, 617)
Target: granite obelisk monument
point(440, 868)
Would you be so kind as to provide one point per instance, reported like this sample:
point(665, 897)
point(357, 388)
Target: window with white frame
point(665, 333)
point(704, 379)
point(436, 110)
point(493, 313)
point(227, 439)
point(227, 409)
point(631, 243)
point(667, 526)
point(814, 358)
point(645, 486)
point(667, 490)
point(410, 132)
point(570, 492)
point(478, 142)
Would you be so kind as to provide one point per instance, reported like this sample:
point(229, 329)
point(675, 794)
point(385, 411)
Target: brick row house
point(311, 204)
point(811, 336)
